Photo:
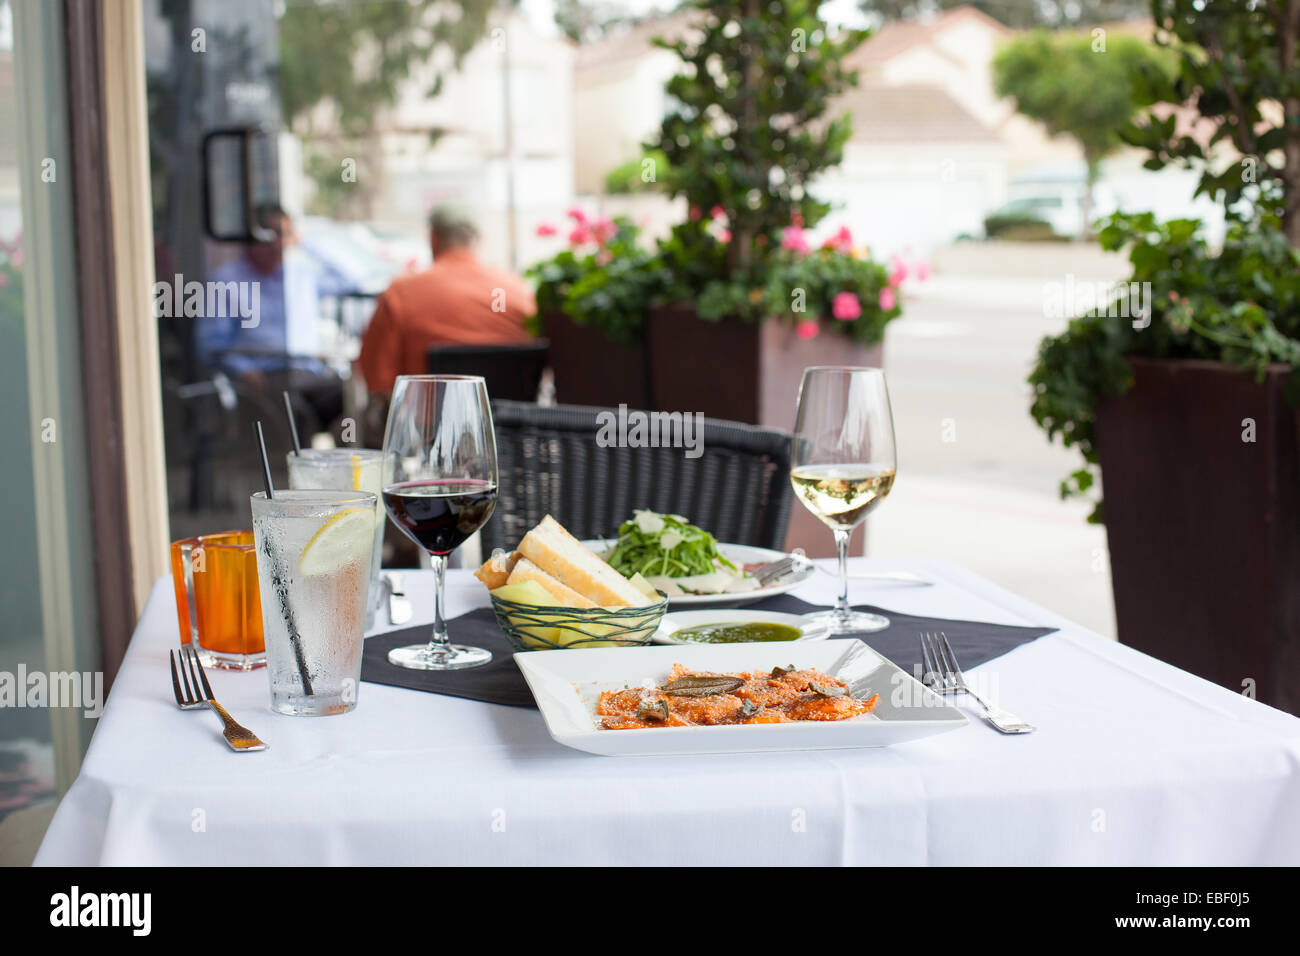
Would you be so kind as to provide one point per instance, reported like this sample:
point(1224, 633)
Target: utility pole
point(507, 114)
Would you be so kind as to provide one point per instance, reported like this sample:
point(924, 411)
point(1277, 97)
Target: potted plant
point(1189, 408)
point(735, 303)
point(591, 305)
point(749, 130)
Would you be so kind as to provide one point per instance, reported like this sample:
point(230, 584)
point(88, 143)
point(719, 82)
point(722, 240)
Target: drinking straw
point(282, 589)
point(266, 463)
point(293, 425)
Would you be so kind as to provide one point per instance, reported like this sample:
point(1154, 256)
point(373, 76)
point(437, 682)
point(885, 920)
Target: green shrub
point(1240, 305)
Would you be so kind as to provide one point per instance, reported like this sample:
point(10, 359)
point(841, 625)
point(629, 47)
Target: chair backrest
point(551, 462)
point(512, 372)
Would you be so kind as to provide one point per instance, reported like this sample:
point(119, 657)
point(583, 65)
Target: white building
point(934, 149)
point(455, 147)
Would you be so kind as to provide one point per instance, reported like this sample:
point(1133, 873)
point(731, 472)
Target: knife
point(399, 605)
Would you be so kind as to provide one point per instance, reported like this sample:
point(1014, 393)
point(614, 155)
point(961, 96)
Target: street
point(977, 479)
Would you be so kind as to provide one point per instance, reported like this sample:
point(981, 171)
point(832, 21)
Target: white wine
point(841, 495)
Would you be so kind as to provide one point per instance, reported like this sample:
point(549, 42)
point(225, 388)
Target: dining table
point(1133, 762)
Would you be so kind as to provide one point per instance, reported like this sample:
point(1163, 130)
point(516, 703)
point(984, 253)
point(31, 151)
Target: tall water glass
point(347, 469)
point(313, 568)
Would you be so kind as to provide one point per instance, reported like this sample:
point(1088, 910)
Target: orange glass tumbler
point(222, 589)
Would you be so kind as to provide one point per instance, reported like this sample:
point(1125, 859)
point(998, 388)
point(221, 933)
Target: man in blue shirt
point(278, 347)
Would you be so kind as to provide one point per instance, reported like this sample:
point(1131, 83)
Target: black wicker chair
point(511, 371)
point(738, 489)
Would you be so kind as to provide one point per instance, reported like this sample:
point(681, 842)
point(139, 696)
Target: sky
point(541, 13)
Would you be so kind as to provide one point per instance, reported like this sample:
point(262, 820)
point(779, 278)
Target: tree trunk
point(1093, 162)
point(1288, 40)
point(741, 250)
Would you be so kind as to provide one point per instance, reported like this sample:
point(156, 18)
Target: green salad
point(656, 545)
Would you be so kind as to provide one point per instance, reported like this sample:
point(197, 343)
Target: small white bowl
point(678, 620)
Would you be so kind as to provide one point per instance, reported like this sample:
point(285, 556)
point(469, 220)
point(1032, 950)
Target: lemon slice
point(338, 542)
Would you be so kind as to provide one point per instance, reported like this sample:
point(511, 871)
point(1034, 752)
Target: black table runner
point(500, 681)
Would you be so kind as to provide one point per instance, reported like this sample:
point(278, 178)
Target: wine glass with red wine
point(440, 486)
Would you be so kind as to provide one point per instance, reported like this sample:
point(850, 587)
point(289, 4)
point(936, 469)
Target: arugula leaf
point(653, 544)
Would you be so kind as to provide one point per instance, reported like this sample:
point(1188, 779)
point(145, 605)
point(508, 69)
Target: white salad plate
point(739, 555)
point(674, 622)
point(567, 687)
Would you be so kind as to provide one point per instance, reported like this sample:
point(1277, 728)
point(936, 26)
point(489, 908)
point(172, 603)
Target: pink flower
point(922, 271)
point(724, 236)
point(4, 280)
point(806, 329)
point(546, 229)
point(16, 257)
point(604, 229)
point(695, 214)
point(579, 236)
point(888, 299)
point(899, 274)
point(717, 212)
point(846, 306)
point(577, 215)
point(604, 257)
point(842, 241)
point(793, 238)
point(796, 219)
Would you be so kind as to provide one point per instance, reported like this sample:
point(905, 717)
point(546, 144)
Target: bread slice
point(525, 570)
point(563, 557)
point(495, 571)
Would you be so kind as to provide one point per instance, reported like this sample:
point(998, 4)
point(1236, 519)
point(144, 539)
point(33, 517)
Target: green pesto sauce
point(737, 633)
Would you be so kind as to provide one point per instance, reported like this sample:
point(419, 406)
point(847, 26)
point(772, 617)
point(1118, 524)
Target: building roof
point(899, 36)
point(889, 41)
point(634, 41)
point(910, 114)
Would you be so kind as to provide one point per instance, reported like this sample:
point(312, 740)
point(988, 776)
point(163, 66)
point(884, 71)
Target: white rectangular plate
point(567, 687)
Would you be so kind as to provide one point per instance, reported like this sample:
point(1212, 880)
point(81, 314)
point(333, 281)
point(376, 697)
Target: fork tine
point(927, 662)
point(951, 658)
point(194, 677)
point(203, 675)
point(176, 684)
point(191, 695)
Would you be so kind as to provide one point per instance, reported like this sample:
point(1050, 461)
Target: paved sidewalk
point(1035, 545)
point(977, 479)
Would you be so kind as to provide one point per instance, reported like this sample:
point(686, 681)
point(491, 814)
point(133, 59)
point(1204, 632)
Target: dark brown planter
point(589, 369)
point(1204, 527)
point(699, 366)
point(741, 371)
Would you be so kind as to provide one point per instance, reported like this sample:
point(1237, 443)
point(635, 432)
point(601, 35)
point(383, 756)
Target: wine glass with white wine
point(842, 465)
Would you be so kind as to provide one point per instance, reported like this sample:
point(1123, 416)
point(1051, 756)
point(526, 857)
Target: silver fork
point(941, 673)
point(773, 570)
point(193, 693)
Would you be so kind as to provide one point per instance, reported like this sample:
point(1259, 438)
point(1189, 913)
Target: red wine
point(439, 514)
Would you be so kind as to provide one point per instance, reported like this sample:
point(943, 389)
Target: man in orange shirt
point(456, 301)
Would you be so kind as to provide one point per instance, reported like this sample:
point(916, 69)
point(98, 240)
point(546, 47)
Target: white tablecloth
point(1134, 762)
